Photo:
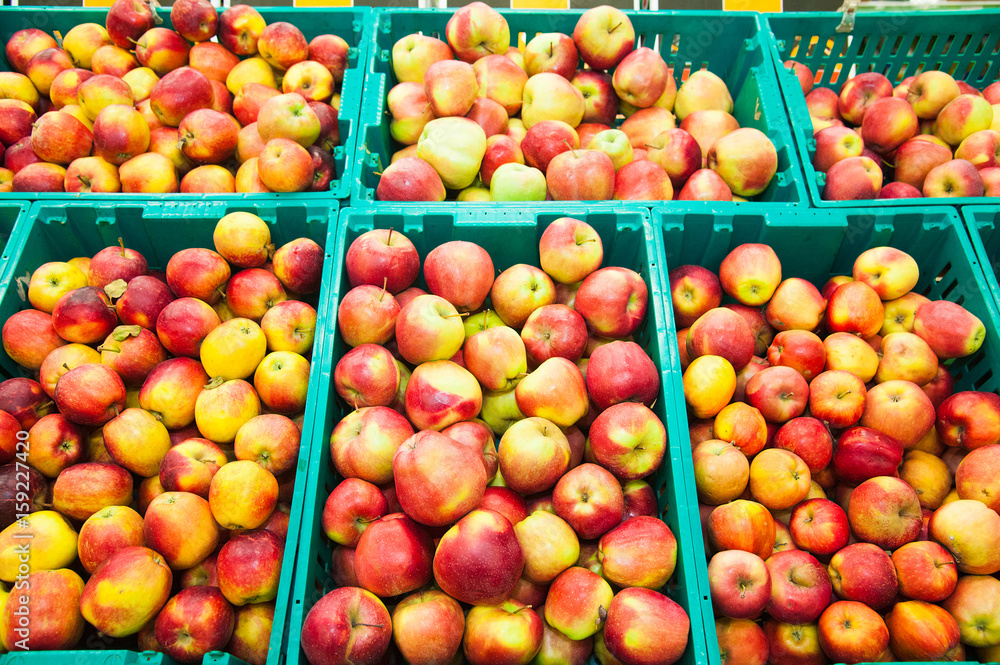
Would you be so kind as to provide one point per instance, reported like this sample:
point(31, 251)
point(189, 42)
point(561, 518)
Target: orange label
point(752, 5)
point(323, 3)
point(98, 3)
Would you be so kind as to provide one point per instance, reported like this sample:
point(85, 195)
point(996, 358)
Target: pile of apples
point(131, 107)
point(455, 110)
point(546, 545)
point(149, 461)
point(849, 498)
point(930, 136)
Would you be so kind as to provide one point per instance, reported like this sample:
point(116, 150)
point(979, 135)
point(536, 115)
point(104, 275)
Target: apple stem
point(521, 375)
point(385, 283)
point(521, 609)
point(367, 625)
point(121, 242)
point(103, 348)
point(66, 366)
point(602, 613)
point(617, 25)
point(570, 147)
point(550, 49)
point(587, 240)
point(452, 316)
point(388, 240)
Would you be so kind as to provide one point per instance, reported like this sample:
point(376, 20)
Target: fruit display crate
point(353, 24)
point(817, 244)
point(981, 222)
point(728, 44)
point(511, 237)
point(58, 231)
point(895, 44)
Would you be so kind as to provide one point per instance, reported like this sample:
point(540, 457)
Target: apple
point(678, 153)
point(891, 123)
point(425, 401)
point(49, 605)
point(421, 481)
point(498, 78)
point(589, 498)
point(640, 552)
point(705, 185)
point(410, 566)
point(427, 627)
point(479, 560)
point(848, 352)
point(641, 77)
point(949, 329)
point(724, 333)
point(551, 52)
point(955, 178)
point(710, 125)
point(745, 159)
point(364, 442)
point(721, 471)
point(837, 398)
point(925, 571)
point(916, 158)
point(348, 609)
point(477, 30)
point(24, 44)
point(604, 35)
point(964, 527)
point(112, 60)
point(961, 117)
point(642, 622)
point(190, 466)
point(126, 591)
point(548, 96)
point(642, 180)
point(510, 632)
point(800, 587)
point(742, 641)
point(973, 605)
point(852, 632)
point(17, 118)
point(520, 290)
point(410, 179)
point(859, 92)
point(740, 584)
point(703, 90)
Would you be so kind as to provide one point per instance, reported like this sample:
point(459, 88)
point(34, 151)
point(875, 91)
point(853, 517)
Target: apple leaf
point(116, 288)
point(122, 333)
point(214, 383)
point(22, 286)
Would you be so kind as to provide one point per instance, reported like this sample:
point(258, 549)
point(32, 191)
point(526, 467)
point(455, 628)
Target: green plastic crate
point(896, 44)
point(727, 43)
point(817, 244)
point(353, 24)
point(10, 212)
point(510, 237)
point(54, 231)
point(981, 222)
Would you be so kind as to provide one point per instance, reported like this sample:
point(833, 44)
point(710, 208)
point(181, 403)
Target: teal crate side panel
point(10, 213)
point(728, 44)
point(510, 237)
point(817, 244)
point(54, 231)
point(353, 24)
point(896, 44)
point(981, 223)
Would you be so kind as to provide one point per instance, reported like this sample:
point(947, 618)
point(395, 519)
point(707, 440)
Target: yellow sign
point(323, 3)
point(539, 4)
point(752, 5)
point(98, 3)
